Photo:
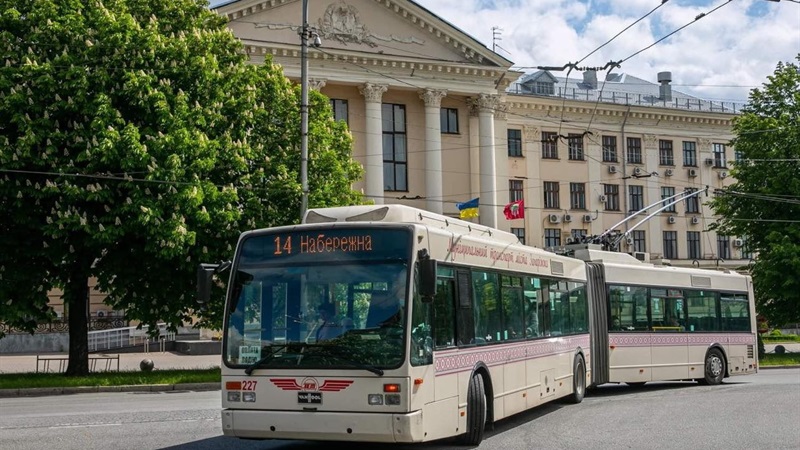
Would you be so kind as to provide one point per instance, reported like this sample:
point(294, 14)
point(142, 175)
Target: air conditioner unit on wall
point(603, 198)
point(668, 172)
point(722, 175)
point(587, 218)
point(642, 256)
point(570, 240)
point(692, 173)
point(637, 171)
point(695, 220)
point(612, 169)
point(554, 218)
point(738, 242)
point(629, 240)
point(567, 217)
point(671, 219)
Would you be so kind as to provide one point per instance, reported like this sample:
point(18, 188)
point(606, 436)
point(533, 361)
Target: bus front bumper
point(328, 426)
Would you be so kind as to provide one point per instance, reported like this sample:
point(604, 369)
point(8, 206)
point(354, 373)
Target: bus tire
point(578, 380)
point(476, 411)
point(714, 367)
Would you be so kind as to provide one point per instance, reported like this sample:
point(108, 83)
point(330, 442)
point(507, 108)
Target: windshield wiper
point(275, 349)
point(335, 351)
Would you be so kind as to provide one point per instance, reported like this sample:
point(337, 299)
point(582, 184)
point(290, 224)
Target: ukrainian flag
point(468, 209)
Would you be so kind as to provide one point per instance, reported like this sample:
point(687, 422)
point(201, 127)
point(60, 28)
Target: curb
point(40, 392)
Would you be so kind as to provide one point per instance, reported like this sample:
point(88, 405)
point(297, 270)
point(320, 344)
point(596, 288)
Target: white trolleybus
point(393, 324)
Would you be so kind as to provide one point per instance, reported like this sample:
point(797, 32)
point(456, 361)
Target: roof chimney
point(665, 90)
point(590, 79)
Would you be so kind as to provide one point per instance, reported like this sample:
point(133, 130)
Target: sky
point(721, 56)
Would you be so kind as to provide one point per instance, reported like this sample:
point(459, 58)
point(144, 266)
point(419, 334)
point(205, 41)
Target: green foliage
point(761, 349)
point(49, 380)
point(762, 205)
point(135, 142)
point(786, 359)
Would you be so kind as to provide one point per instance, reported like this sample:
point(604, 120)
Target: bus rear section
point(672, 323)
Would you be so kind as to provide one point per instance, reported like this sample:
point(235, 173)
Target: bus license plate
point(309, 397)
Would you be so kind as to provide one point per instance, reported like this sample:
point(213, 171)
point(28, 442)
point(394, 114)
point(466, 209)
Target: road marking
point(86, 425)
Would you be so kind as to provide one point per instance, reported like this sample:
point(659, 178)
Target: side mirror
point(205, 275)
point(427, 277)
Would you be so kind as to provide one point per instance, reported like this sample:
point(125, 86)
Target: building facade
point(438, 119)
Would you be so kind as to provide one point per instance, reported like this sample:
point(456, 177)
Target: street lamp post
point(304, 34)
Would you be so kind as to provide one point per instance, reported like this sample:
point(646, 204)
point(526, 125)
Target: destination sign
point(327, 244)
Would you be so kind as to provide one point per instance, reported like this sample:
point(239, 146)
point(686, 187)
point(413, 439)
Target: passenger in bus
point(328, 327)
point(616, 325)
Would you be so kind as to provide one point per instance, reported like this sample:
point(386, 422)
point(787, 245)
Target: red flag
point(515, 210)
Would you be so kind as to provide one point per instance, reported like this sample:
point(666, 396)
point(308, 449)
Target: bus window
point(667, 309)
point(511, 292)
point(421, 339)
point(735, 312)
point(628, 308)
point(578, 308)
point(702, 309)
point(444, 314)
point(486, 311)
point(533, 294)
point(559, 308)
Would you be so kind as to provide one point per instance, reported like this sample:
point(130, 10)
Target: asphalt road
point(749, 412)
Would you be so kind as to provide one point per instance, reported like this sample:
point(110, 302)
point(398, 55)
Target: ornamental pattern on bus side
point(492, 355)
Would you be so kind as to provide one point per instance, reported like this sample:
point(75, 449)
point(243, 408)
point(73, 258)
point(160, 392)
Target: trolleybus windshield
point(333, 298)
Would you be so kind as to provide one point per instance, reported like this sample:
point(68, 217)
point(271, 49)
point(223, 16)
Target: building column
point(474, 148)
point(534, 199)
point(433, 148)
point(373, 94)
point(488, 169)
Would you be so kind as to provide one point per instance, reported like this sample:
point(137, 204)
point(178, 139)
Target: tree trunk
point(76, 296)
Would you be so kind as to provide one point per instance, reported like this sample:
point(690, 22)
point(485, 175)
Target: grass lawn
point(786, 359)
point(44, 380)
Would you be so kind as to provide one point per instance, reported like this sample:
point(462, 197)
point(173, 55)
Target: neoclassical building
point(438, 118)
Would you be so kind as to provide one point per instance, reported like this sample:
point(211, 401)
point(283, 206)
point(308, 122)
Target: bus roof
point(405, 214)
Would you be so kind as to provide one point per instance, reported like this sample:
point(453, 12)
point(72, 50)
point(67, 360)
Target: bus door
point(598, 322)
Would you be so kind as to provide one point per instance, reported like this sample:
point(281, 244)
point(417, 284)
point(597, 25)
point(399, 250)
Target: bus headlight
point(249, 397)
point(375, 399)
point(234, 396)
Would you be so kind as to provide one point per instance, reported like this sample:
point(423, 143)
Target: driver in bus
point(328, 327)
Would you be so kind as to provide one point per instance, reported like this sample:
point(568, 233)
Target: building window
point(395, 157)
point(639, 241)
point(693, 202)
point(738, 156)
point(549, 145)
point(543, 88)
point(339, 107)
point(665, 156)
point(575, 144)
point(551, 195)
point(747, 253)
point(514, 190)
point(636, 198)
point(577, 195)
point(520, 234)
point(719, 156)
point(667, 192)
point(693, 244)
point(552, 237)
point(634, 150)
point(689, 154)
point(671, 244)
point(449, 120)
point(609, 149)
point(611, 191)
point(723, 247)
point(514, 142)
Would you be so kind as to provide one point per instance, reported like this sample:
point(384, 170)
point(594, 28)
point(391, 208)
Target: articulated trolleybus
point(393, 324)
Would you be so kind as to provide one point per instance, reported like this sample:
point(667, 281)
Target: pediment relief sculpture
point(341, 22)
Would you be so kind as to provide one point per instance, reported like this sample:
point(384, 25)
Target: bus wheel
point(476, 411)
point(578, 380)
point(715, 367)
